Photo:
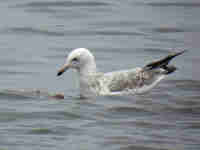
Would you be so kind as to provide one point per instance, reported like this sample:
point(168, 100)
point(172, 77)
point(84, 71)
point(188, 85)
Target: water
point(35, 37)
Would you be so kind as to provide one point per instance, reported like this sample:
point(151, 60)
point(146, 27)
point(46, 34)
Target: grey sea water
point(35, 38)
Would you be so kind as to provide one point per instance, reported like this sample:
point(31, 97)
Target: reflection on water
point(175, 4)
point(65, 4)
point(35, 38)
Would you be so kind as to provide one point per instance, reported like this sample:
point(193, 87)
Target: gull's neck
point(85, 75)
point(88, 69)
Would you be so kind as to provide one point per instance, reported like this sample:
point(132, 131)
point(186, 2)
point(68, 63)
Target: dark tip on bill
point(59, 73)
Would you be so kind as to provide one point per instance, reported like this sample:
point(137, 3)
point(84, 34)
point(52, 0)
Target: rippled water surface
point(35, 38)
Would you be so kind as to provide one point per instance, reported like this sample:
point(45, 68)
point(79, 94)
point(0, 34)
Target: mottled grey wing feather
point(123, 80)
point(132, 79)
point(140, 77)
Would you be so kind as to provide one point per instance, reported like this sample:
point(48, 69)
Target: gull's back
point(129, 81)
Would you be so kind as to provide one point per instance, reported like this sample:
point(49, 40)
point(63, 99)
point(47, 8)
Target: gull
point(132, 81)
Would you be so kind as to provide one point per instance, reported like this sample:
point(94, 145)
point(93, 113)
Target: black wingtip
point(179, 53)
point(164, 61)
point(169, 69)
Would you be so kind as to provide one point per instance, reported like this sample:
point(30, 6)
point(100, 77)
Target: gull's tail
point(163, 63)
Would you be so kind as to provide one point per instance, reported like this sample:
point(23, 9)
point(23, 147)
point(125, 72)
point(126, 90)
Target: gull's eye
point(75, 59)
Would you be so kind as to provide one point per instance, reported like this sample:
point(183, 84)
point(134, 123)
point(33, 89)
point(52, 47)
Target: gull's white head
point(80, 59)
